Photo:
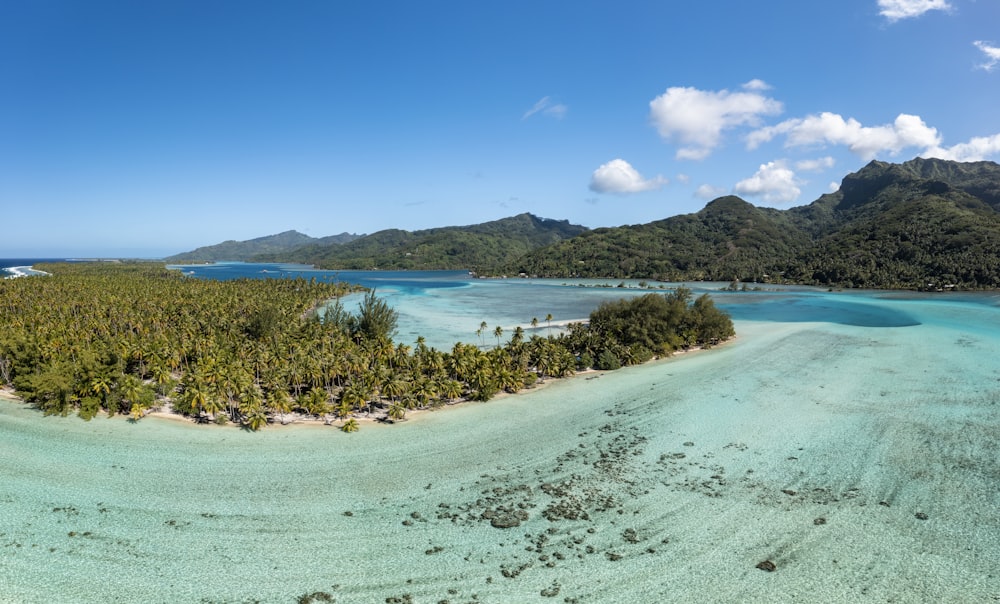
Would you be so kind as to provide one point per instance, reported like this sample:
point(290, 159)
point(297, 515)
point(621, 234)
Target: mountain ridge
point(235, 251)
point(470, 247)
point(920, 224)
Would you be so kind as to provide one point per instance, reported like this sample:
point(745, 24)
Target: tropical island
point(127, 338)
point(925, 224)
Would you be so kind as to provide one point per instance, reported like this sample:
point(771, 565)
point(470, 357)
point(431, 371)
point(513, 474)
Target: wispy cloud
point(546, 106)
point(815, 165)
point(992, 54)
point(708, 192)
point(618, 176)
point(697, 118)
point(756, 84)
point(894, 10)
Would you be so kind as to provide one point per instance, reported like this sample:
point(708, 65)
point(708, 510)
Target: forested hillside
point(247, 250)
point(729, 237)
point(923, 224)
point(474, 247)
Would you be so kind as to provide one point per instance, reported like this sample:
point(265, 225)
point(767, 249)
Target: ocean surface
point(851, 439)
point(10, 267)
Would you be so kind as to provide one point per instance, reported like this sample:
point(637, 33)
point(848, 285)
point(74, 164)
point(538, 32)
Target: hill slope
point(922, 224)
point(728, 237)
point(247, 250)
point(473, 247)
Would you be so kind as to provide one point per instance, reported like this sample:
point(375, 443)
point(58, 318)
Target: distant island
point(925, 224)
point(237, 251)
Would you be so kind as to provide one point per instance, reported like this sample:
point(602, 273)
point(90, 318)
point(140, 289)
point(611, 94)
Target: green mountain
point(923, 224)
point(247, 250)
point(474, 247)
point(728, 237)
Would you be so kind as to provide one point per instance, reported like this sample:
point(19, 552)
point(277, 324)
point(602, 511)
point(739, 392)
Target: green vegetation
point(924, 224)
point(659, 324)
point(247, 250)
point(728, 238)
point(125, 338)
point(472, 247)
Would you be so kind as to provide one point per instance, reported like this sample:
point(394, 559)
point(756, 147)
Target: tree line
point(127, 338)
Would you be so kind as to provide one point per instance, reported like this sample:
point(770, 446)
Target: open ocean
point(9, 263)
point(852, 439)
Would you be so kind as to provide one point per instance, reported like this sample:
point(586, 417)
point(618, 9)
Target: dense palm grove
point(125, 338)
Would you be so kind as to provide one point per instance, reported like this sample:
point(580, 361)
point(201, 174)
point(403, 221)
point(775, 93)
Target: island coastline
point(164, 410)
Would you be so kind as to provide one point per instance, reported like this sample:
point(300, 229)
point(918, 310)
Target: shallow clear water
point(813, 441)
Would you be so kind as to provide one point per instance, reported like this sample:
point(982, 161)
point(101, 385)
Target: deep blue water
point(6, 263)
point(9, 262)
point(850, 308)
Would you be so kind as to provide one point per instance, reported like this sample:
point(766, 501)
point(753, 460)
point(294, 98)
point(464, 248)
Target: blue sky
point(150, 128)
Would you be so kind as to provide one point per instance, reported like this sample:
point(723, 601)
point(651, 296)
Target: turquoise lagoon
point(850, 438)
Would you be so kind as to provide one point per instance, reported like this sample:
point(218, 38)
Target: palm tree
point(281, 402)
point(397, 411)
point(315, 402)
point(134, 395)
point(479, 332)
point(497, 332)
point(461, 361)
point(424, 389)
point(350, 425)
point(100, 385)
point(354, 395)
point(255, 418)
point(344, 408)
point(197, 396)
point(395, 387)
point(451, 389)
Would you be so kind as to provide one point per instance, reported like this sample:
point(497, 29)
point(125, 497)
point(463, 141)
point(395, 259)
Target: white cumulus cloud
point(696, 118)
point(864, 141)
point(546, 106)
point(618, 176)
point(992, 54)
point(977, 149)
point(774, 182)
point(894, 10)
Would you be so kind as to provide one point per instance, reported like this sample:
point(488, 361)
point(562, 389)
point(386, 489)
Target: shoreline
point(23, 271)
point(164, 411)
